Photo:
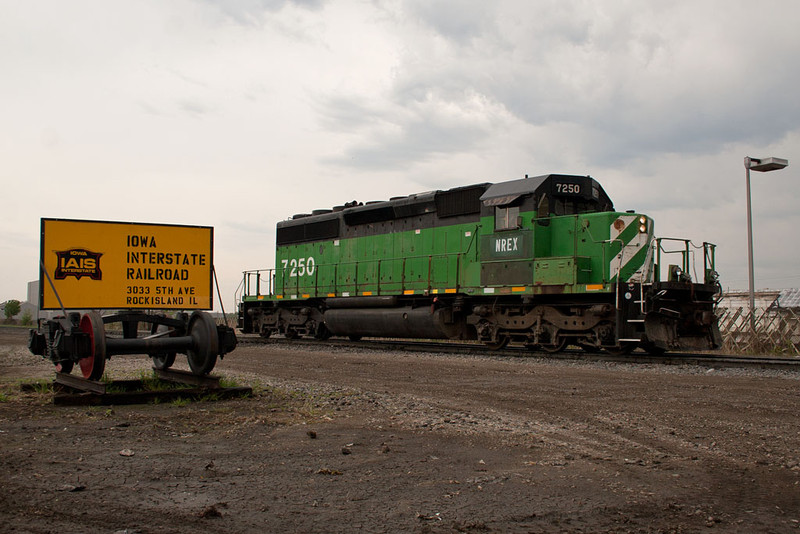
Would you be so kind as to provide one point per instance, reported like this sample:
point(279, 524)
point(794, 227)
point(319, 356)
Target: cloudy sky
point(239, 113)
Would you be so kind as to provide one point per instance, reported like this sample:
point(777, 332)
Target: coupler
point(82, 339)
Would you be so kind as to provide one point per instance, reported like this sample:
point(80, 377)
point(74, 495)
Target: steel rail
point(705, 360)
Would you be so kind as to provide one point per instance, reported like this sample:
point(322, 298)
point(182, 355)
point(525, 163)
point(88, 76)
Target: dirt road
point(347, 441)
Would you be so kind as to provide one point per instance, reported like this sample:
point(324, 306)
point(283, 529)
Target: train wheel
point(162, 360)
point(590, 349)
point(502, 342)
point(623, 349)
point(559, 345)
point(552, 340)
point(291, 334)
point(93, 365)
point(322, 333)
point(652, 349)
point(205, 343)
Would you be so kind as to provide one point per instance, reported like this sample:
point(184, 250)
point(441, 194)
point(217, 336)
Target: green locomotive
point(544, 261)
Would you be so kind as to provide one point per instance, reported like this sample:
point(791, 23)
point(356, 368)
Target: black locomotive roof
point(498, 194)
point(455, 201)
point(465, 201)
point(508, 192)
point(553, 184)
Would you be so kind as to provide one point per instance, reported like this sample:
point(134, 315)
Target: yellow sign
point(113, 265)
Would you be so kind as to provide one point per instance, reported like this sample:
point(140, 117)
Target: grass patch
point(152, 383)
point(210, 397)
point(111, 388)
point(227, 382)
point(42, 387)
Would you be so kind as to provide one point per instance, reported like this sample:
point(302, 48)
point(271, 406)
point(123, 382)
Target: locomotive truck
point(543, 261)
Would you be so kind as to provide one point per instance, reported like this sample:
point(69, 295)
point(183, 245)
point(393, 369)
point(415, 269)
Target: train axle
point(82, 339)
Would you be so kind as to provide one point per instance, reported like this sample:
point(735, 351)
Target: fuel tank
point(403, 322)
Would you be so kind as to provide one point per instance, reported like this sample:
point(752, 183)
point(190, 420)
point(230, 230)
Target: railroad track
point(475, 349)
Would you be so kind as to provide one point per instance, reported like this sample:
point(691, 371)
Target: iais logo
point(78, 262)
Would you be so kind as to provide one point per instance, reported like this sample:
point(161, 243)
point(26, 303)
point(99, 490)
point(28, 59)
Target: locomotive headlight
point(642, 224)
point(642, 219)
point(643, 228)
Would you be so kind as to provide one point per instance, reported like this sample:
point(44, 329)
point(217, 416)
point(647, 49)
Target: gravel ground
point(342, 440)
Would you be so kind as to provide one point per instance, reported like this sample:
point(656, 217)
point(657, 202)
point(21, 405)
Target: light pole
point(761, 165)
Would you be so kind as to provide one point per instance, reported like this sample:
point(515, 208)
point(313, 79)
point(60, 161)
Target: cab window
point(506, 218)
point(543, 208)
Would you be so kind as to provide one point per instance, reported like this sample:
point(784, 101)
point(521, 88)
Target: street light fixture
point(761, 165)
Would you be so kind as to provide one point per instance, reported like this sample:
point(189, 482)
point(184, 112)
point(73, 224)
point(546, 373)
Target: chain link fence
point(767, 331)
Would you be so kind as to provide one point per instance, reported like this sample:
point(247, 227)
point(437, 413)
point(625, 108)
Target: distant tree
point(11, 309)
point(26, 319)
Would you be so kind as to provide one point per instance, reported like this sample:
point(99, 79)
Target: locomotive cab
point(526, 215)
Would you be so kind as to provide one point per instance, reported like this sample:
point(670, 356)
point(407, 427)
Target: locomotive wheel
point(93, 365)
point(554, 342)
point(205, 343)
point(652, 349)
point(291, 334)
point(558, 346)
point(589, 349)
point(322, 333)
point(624, 348)
point(501, 343)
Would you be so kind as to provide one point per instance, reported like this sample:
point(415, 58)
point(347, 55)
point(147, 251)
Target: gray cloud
point(193, 108)
point(301, 102)
point(416, 128)
point(638, 80)
point(457, 20)
point(252, 12)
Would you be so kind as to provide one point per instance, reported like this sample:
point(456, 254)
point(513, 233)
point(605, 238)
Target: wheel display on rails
point(162, 360)
point(93, 364)
point(205, 343)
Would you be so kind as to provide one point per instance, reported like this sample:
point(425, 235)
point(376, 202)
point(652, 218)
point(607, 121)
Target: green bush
point(11, 308)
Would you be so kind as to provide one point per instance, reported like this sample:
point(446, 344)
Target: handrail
point(314, 286)
point(688, 258)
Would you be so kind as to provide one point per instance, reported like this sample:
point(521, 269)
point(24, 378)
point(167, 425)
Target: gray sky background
point(239, 113)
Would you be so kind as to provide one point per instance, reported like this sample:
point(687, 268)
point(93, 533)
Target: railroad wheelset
point(82, 339)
